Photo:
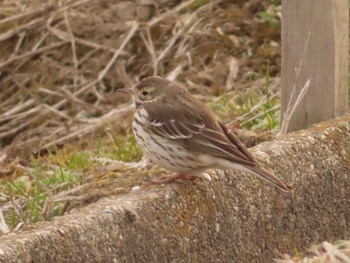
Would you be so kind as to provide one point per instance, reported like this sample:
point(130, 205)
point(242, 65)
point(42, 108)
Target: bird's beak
point(125, 91)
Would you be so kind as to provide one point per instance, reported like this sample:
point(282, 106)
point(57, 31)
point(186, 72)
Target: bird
point(178, 132)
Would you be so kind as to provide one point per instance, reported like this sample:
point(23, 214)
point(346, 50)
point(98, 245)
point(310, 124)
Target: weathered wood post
point(315, 36)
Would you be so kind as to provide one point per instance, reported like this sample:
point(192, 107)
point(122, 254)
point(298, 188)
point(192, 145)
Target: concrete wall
point(233, 218)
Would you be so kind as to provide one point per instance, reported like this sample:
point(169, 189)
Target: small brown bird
point(181, 134)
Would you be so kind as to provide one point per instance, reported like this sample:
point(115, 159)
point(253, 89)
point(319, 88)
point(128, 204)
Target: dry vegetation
point(339, 252)
point(62, 62)
point(61, 121)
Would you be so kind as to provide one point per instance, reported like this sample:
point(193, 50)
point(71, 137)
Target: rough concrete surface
point(232, 218)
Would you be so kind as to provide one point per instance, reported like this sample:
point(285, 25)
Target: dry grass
point(339, 252)
point(61, 62)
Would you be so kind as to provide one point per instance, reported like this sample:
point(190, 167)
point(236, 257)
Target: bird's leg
point(172, 178)
point(188, 177)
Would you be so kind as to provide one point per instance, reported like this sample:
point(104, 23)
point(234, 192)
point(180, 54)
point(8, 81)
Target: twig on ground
point(15, 208)
point(131, 33)
point(74, 52)
point(150, 48)
point(233, 71)
point(114, 114)
point(181, 6)
point(3, 226)
point(277, 107)
point(254, 108)
point(17, 117)
point(17, 108)
point(175, 73)
point(19, 43)
point(41, 40)
point(32, 53)
point(33, 176)
point(65, 37)
point(57, 112)
point(18, 29)
point(26, 14)
point(3, 157)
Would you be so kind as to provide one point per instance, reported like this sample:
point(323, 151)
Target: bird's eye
point(144, 93)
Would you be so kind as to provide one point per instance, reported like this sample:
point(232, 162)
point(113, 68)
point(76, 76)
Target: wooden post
point(315, 36)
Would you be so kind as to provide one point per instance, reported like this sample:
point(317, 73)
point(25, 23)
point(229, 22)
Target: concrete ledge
point(233, 218)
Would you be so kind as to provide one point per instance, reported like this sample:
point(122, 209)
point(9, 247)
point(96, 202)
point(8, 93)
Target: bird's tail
point(270, 177)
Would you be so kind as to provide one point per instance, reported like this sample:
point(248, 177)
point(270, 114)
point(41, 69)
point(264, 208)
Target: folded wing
point(199, 132)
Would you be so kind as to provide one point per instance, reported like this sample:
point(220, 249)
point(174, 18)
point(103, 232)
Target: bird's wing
point(175, 129)
point(233, 138)
point(195, 128)
point(215, 142)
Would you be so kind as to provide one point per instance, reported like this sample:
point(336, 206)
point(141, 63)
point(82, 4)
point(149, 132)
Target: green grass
point(200, 3)
point(229, 106)
point(31, 189)
point(31, 196)
point(120, 148)
point(271, 15)
point(232, 105)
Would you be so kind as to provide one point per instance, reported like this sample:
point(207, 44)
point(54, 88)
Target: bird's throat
point(137, 104)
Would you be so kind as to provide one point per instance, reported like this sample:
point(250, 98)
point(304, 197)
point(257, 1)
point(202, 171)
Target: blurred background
point(61, 62)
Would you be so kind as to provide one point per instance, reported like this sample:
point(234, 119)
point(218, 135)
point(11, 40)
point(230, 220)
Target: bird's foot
point(174, 177)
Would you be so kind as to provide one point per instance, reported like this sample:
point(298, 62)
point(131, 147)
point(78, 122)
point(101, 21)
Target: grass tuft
point(253, 109)
point(31, 189)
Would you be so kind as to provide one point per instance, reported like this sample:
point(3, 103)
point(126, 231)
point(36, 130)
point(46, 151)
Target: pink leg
point(174, 177)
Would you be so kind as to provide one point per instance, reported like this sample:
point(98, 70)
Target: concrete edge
point(235, 217)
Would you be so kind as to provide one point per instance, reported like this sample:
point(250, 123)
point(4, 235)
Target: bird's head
point(152, 89)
